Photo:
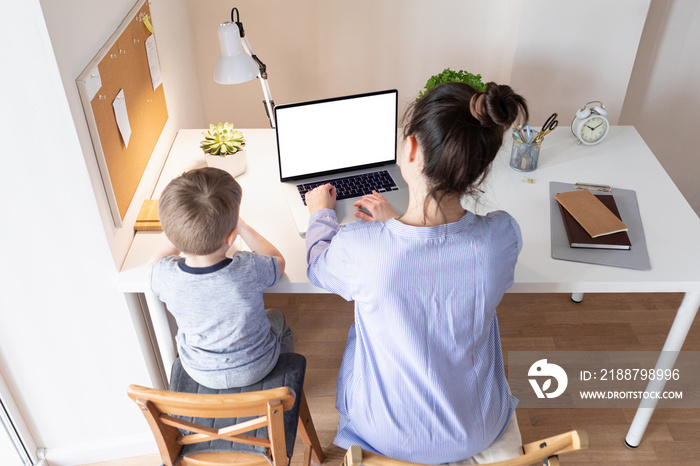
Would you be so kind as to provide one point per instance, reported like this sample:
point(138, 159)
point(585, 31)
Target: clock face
point(593, 129)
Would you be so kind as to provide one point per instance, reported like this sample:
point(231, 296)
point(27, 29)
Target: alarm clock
point(590, 125)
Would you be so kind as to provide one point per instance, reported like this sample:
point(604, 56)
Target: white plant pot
point(233, 163)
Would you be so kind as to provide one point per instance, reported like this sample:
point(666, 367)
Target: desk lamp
point(237, 65)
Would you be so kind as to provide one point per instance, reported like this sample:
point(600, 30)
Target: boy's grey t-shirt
point(222, 327)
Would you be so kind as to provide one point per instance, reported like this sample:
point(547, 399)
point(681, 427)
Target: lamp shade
point(235, 65)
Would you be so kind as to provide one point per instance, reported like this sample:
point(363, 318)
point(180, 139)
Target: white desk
point(623, 160)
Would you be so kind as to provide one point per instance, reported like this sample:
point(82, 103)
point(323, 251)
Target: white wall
point(68, 349)
point(319, 49)
point(664, 92)
point(570, 53)
point(557, 54)
point(66, 339)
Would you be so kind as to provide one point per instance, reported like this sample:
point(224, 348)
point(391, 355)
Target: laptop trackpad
point(345, 211)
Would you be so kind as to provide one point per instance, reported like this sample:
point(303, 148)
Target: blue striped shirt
point(422, 376)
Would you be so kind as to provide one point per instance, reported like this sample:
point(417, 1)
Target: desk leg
point(577, 297)
point(674, 342)
point(161, 328)
point(149, 348)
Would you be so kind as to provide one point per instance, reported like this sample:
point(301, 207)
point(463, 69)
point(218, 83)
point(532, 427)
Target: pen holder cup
point(524, 156)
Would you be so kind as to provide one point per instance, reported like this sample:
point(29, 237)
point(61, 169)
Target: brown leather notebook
point(590, 212)
point(579, 238)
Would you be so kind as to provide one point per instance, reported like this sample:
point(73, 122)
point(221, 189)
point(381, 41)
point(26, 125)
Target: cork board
point(121, 75)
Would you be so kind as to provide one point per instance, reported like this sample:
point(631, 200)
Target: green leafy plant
point(448, 76)
point(222, 140)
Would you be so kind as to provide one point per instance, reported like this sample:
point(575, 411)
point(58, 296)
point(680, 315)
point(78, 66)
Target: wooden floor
point(610, 322)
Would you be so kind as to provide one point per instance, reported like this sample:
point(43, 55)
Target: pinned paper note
point(122, 116)
point(147, 23)
point(153, 64)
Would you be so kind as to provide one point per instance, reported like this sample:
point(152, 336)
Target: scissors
point(548, 127)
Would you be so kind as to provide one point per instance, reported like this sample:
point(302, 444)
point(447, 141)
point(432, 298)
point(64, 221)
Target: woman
point(422, 376)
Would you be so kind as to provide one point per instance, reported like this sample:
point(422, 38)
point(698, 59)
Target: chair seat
point(219, 458)
point(288, 372)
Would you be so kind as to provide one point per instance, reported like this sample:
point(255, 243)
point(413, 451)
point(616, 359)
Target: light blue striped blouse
point(422, 376)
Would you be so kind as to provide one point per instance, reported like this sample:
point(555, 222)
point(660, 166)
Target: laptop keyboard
point(354, 186)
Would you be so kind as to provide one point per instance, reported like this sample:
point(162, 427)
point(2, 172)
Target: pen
point(527, 128)
point(516, 130)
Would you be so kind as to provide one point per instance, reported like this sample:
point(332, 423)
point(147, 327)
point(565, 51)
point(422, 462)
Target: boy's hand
point(377, 205)
point(321, 197)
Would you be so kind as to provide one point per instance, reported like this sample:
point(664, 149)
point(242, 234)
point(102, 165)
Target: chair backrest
point(265, 407)
point(541, 451)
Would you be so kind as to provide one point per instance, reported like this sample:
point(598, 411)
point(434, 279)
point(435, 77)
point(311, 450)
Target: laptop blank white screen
point(336, 134)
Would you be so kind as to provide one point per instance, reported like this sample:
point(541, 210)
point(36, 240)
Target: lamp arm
point(269, 103)
point(262, 74)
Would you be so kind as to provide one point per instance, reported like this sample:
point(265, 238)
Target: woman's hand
point(377, 205)
point(321, 197)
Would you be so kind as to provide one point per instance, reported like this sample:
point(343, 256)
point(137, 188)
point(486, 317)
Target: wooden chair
point(249, 426)
point(545, 451)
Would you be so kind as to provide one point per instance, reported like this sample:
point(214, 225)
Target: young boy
point(225, 336)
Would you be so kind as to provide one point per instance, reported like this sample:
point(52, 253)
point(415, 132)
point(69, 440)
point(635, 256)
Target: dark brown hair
point(460, 131)
point(199, 209)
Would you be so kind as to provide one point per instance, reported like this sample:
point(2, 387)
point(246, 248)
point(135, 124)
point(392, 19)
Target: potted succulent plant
point(224, 148)
point(448, 76)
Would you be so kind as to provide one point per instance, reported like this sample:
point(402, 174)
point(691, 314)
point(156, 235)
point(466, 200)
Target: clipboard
point(637, 257)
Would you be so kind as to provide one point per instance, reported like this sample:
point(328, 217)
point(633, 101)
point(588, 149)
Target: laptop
point(347, 141)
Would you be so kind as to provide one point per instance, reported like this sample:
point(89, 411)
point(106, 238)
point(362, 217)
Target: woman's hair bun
point(498, 105)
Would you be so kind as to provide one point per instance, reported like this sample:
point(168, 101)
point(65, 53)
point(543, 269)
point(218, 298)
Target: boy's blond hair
point(199, 209)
